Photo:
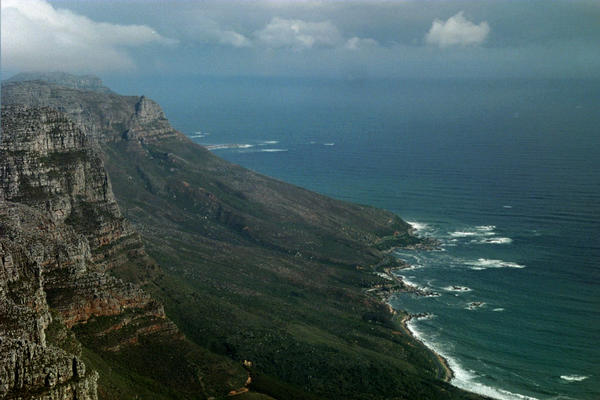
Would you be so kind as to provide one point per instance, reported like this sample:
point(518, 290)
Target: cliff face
point(102, 116)
point(32, 248)
point(49, 163)
point(61, 234)
point(52, 250)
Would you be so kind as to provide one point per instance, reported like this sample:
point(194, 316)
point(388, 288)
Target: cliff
point(61, 233)
point(50, 164)
point(102, 115)
point(32, 248)
point(249, 268)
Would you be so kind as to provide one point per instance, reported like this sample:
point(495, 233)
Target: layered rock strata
point(103, 116)
point(61, 231)
point(32, 247)
point(49, 163)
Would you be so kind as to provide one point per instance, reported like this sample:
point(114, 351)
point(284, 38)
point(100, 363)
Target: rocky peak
point(147, 110)
point(82, 82)
point(102, 116)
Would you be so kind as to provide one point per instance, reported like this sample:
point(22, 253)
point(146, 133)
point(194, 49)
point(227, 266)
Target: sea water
point(504, 173)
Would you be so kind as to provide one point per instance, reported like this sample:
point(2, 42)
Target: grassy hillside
point(256, 269)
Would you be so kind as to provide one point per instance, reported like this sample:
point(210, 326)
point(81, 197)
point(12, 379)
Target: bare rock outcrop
point(103, 116)
point(32, 246)
point(61, 233)
point(49, 163)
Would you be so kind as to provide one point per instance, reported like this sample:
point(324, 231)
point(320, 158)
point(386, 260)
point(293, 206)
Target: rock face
point(61, 231)
point(49, 163)
point(103, 116)
point(31, 248)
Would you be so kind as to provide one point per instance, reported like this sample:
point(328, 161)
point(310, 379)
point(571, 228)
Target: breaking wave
point(573, 378)
point(485, 263)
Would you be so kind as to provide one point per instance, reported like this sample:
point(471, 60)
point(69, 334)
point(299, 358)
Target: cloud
point(299, 34)
point(356, 43)
point(457, 31)
point(36, 36)
point(206, 30)
point(233, 38)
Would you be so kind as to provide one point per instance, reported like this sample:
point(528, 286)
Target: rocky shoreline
point(394, 285)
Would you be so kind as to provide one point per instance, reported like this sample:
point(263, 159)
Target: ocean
point(504, 173)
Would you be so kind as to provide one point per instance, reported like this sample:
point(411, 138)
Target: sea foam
point(485, 263)
point(228, 146)
point(456, 288)
point(481, 234)
point(418, 226)
point(497, 240)
point(573, 378)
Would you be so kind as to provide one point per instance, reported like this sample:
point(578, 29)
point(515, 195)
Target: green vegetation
point(255, 269)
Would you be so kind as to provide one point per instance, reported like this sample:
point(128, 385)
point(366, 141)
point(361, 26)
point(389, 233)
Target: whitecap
point(497, 240)
point(485, 263)
point(507, 206)
point(498, 309)
point(474, 305)
point(268, 142)
point(418, 226)
point(228, 146)
point(272, 150)
point(457, 288)
point(485, 228)
point(461, 234)
point(328, 144)
point(573, 378)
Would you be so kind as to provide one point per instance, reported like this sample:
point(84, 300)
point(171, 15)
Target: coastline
point(395, 284)
point(443, 362)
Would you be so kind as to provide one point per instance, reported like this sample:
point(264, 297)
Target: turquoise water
point(506, 174)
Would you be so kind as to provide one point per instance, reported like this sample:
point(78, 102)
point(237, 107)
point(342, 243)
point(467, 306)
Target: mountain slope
point(253, 268)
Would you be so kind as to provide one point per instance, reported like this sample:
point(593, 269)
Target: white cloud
point(233, 38)
point(457, 31)
point(356, 43)
point(209, 31)
point(36, 36)
point(299, 34)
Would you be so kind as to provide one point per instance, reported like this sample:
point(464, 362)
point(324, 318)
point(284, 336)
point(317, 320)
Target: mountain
point(264, 284)
point(84, 82)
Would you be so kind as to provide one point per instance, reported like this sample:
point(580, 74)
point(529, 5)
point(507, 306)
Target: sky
point(294, 39)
